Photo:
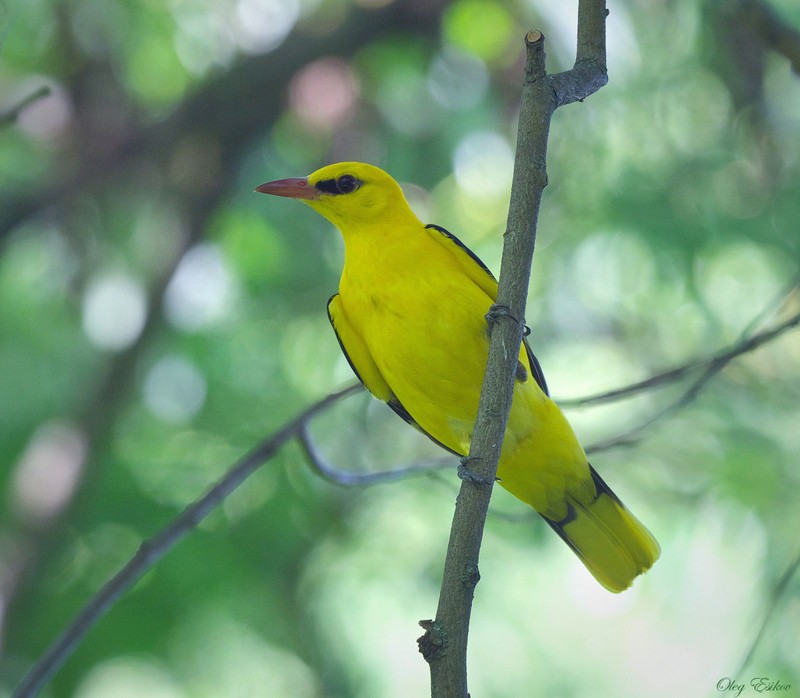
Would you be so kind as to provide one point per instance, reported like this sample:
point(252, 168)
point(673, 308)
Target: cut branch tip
point(534, 36)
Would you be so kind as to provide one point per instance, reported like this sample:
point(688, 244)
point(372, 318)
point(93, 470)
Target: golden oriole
point(410, 319)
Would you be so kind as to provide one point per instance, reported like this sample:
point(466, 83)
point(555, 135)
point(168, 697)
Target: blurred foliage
point(157, 319)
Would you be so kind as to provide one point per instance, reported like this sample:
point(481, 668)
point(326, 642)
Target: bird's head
point(348, 194)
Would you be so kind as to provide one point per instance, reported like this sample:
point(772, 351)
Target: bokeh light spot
point(736, 280)
point(48, 471)
point(261, 25)
point(174, 390)
point(201, 290)
point(129, 677)
point(323, 93)
point(48, 117)
point(114, 311)
point(457, 80)
point(616, 271)
point(152, 55)
point(483, 164)
point(482, 27)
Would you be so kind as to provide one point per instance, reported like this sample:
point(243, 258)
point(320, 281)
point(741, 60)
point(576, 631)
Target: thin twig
point(777, 593)
point(349, 478)
point(713, 366)
point(154, 549)
point(9, 116)
point(628, 438)
point(714, 363)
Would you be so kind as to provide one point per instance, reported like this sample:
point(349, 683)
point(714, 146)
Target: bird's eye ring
point(347, 183)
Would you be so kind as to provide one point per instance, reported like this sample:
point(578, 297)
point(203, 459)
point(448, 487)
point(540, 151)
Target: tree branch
point(771, 29)
point(347, 478)
point(714, 363)
point(777, 593)
point(9, 116)
point(444, 643)
point(154, 549)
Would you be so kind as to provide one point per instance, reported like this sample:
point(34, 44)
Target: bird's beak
point(293, 188)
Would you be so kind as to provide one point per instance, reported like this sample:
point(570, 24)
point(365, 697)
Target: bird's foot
point(497, 311)
point(465, 473)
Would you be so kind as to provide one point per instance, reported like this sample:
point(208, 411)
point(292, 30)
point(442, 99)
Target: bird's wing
point(360, 359)
point(479, 273)
point(536, 367)
point(472, 265)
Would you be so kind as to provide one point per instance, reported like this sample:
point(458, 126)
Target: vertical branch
point(444, 643)
point(592, 37)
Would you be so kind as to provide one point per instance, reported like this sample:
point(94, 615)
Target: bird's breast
point(427, 334)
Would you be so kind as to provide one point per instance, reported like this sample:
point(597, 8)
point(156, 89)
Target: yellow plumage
point(409, 317)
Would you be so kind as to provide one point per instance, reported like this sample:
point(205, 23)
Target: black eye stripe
point(345, 184)
point(327, 185)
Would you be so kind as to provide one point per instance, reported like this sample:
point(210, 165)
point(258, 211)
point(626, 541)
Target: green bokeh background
point(157, 319)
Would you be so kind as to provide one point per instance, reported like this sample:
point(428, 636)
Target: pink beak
point(293, 188)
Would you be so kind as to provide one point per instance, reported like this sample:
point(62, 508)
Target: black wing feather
point(466, 249)
point(536, 368)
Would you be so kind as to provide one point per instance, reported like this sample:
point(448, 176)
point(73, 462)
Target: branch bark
point(444, 643)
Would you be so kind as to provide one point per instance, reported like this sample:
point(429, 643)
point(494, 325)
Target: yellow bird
point(410, 318)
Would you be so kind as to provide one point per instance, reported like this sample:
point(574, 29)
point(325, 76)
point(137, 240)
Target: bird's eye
point(347, 184)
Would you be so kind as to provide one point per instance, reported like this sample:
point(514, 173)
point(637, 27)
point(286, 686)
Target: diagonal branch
point(713, 364)
point(154, 549)
point(777, 593)
point(9, 116)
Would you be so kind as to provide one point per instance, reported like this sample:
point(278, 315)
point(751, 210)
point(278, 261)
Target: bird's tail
point(608, 539)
